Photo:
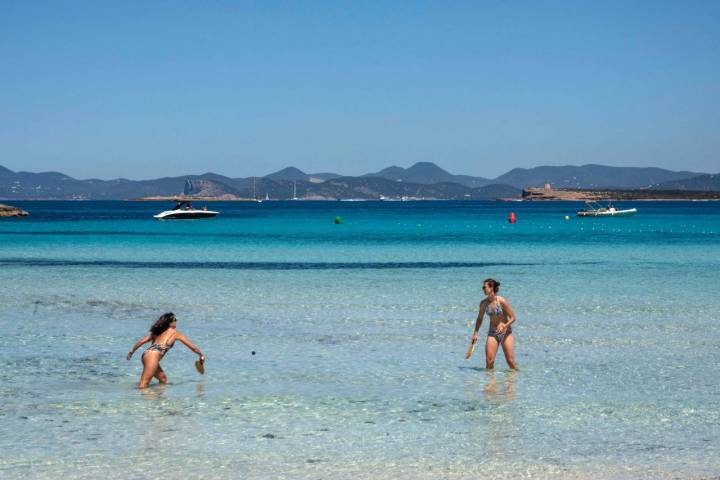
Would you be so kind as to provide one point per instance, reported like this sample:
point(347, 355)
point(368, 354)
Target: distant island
point(422, 181)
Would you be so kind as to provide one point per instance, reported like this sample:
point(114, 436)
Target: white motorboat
point(595, 210)
point(185, 211)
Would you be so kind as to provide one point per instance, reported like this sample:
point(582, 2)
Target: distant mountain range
point(292, 173)
point(422, 180)
point(365, 188)
point(428, 173)
point(702, 183)
point(592, 176)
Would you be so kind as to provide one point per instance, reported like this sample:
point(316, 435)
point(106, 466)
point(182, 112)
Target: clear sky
point(154, 88)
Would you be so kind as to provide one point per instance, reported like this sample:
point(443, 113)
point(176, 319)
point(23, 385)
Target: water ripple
point(42, 262)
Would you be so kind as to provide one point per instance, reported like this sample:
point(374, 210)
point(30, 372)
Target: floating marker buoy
point(512, 218)
point(338, 220)
point(567, 217)
point(253, 352)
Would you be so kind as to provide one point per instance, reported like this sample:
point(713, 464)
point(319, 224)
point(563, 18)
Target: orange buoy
point(512, 218)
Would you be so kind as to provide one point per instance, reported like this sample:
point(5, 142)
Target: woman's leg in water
point(491, 347)
point(508, 346)
point(160, 374)
point(151, 362)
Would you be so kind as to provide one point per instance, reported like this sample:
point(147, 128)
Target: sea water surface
point(359, 332)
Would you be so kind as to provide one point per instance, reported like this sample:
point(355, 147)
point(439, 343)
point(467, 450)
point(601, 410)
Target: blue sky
point(148, 89)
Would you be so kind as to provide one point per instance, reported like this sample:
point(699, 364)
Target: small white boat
point(185, 211)
point(595, 210)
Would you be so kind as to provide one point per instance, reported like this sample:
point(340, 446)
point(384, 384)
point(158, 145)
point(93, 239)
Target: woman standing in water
point(162, 337)
point(500, 332)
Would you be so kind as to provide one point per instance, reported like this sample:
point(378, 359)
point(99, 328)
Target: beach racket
point(200, 366)
point(470, 350)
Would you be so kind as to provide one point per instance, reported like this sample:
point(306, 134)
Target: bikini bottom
point(500, 336)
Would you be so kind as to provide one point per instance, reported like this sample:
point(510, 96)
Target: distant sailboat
point(254, 196)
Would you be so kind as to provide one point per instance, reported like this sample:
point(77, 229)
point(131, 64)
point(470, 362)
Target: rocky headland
point(8, 211)
point(578, 195)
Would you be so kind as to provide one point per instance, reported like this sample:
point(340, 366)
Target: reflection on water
point(491, 414)
point(154, 392)
point(503, 430)
point(496, 386)
point(500, 389)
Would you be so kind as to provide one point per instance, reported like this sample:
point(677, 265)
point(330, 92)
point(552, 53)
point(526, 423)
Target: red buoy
point(512, 218)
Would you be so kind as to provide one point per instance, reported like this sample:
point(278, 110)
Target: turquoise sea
point(360, 331)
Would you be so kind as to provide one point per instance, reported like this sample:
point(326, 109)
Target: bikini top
point(493, 312)
point(163, 347)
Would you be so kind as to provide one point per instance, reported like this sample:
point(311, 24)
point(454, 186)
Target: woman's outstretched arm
point(191, 346)
point(147, 338)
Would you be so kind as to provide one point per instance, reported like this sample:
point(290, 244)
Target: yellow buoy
point(567, 217)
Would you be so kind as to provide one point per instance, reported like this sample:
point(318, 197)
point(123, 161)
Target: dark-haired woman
point(500, 331)
point(162, 337)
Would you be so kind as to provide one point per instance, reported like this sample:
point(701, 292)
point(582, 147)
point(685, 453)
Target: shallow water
point(360, 330)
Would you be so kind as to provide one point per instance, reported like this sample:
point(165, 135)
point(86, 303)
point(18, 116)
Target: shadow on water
point(474, 369)
point(200, 389)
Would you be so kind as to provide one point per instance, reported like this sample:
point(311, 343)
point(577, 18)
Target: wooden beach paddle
point(200, 366)
point(471, 350)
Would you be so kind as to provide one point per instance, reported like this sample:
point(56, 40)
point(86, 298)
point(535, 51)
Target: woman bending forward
point(162, 337)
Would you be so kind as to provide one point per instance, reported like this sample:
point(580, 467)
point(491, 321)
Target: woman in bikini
point(162, 337)
point(500, 332)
